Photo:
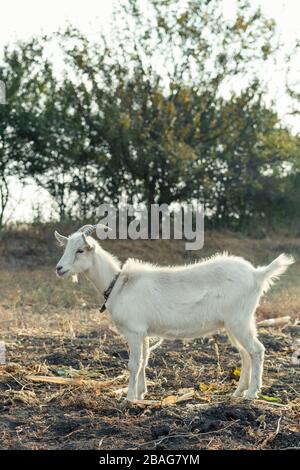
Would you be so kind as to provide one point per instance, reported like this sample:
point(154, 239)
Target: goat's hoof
point(251, 395)
point(129, 399)
point(141, 395)
point(239, 393)
point(126, 403)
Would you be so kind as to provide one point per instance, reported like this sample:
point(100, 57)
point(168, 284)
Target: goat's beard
point(74, 278)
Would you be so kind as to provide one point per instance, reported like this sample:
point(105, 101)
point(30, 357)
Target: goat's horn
point(87, 229)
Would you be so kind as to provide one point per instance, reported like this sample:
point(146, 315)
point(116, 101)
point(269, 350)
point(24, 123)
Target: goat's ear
point(62, 241)
point(88, 245)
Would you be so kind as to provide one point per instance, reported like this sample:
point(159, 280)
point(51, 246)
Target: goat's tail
point(268, 274)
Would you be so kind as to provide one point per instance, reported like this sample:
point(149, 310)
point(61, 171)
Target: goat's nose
point(58, 268)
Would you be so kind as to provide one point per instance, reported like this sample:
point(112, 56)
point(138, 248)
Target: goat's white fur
point(179, 302)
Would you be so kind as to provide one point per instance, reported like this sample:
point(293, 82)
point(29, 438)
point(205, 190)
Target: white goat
point(176, 302)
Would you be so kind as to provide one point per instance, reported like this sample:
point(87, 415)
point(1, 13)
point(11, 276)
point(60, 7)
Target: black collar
point(108, 291)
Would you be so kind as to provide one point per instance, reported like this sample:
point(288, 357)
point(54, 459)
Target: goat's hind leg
point(246, 337)
point(142, 386)
point(245, 376)
point(257, 353)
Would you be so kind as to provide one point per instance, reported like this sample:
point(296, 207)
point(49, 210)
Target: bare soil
point(50, 416)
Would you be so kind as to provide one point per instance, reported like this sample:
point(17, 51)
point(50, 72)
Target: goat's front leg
point(135, 342)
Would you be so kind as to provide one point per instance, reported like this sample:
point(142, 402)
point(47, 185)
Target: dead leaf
point(235, 373)
point(167, 401)
point(187, 396)
point(203, 387)
point(170, 400)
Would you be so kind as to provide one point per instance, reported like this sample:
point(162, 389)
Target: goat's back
point(183, 301)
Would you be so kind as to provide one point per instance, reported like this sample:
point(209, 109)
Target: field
point(54, 329)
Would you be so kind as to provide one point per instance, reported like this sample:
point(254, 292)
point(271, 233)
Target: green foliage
point(24, 75)
point(155, 113)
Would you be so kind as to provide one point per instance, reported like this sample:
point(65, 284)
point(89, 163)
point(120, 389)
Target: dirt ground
point(54, 330)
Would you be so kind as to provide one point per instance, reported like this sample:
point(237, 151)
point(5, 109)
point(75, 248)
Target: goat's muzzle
point(60, 272)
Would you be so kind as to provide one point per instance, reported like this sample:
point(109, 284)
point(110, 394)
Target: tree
point(170, 109)
point(162, 114)
point(23, 73)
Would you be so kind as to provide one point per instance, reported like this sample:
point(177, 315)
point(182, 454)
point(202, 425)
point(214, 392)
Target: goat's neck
point(105, 267)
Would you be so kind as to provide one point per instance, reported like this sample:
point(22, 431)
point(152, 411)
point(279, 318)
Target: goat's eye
point(79, 251)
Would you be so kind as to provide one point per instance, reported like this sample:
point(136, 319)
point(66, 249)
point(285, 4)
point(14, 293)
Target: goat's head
point(78, 254)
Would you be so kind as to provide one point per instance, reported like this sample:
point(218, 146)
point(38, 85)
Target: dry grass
point(54, 329)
